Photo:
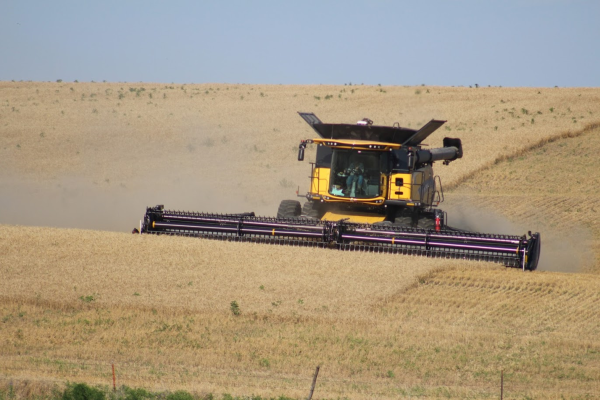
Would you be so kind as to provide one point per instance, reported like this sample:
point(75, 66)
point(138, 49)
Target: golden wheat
point(119, 133)
point(74, 301)
point(552, 189)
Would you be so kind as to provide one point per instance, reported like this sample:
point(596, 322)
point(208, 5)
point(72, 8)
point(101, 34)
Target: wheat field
point(81, 161)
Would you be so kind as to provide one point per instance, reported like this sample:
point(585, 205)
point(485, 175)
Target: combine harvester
point(372, 189)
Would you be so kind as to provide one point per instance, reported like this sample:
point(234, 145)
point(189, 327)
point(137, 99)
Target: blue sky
point(439, 42)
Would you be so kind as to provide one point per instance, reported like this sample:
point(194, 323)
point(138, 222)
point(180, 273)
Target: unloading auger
point(372, 189)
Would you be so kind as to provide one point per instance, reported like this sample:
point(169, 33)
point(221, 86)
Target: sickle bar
point(511, 251)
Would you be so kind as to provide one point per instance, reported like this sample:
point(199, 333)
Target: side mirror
point(301, 151)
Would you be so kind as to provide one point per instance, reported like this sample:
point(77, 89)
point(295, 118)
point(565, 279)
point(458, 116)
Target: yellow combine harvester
point(372, 188)
point(374, 174)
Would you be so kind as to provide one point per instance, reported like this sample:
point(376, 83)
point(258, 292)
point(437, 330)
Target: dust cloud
point(77, 202)
point(566, 250)
point(72, 202)
point(192, 177)
point(119, 172)
point(472, 218)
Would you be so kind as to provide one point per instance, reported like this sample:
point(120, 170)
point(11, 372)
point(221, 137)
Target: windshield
point(356, 173)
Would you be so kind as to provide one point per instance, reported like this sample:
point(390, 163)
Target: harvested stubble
point(179, 273)
point(73, 301)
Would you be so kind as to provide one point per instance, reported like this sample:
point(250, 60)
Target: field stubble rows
point(73, 301)
point(390, 326)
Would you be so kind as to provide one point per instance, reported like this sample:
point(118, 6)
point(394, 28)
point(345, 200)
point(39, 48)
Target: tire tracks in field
point(539, 302)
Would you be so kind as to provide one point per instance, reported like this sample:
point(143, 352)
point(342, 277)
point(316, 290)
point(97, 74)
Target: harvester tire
point(426, 223)
point(289, 209)
point(311, 210)
point(405, 222)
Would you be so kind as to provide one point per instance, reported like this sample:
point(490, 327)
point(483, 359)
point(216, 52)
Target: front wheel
point(311, 210)
point(289, 209)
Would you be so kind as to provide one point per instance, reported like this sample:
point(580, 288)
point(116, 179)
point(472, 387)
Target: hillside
point(551, 188)
point(94, 155)
point(120, 147)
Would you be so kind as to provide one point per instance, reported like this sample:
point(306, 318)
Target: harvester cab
point(375, 174)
